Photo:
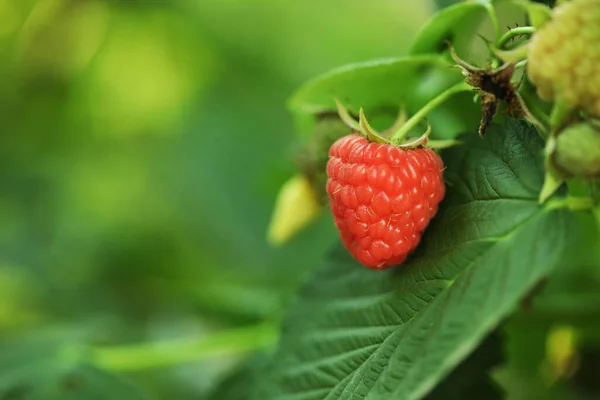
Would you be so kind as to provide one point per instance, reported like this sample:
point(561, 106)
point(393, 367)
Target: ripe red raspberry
point(382, 197)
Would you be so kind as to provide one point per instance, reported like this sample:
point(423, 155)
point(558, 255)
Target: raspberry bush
point(457, 293)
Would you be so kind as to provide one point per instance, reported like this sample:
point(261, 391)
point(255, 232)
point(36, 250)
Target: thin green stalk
point(522, 30)
point(561, 111)
point(572, 203)
point(521, 64)
point(413, 121)
point(154, 355)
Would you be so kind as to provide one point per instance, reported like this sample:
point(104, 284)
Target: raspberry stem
point(561, 111)
point(521, 64)
point(413, 121)
point(522, 30)
point(573, 203)
point(551, 184)
point(154, 355)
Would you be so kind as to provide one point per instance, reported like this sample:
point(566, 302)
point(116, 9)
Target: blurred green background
point(142, 146)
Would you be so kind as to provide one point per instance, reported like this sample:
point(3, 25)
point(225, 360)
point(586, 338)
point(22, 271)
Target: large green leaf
point(375, 84)
point(357, 333)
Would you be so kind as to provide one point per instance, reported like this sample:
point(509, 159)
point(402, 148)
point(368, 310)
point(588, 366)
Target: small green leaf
point(538, 13)
point(458, 23)
point(357, 333)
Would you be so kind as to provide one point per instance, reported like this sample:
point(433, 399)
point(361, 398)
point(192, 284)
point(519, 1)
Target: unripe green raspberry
point(576, 151)
point(564, 56)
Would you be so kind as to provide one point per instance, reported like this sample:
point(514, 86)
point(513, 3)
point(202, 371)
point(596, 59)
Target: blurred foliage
point(143, 144)
point(142, 147)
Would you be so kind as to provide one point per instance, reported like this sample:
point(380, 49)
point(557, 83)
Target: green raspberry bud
point(313, 158)
point(576, 151)
point(564, 56)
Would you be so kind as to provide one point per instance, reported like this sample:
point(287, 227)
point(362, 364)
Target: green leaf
point(537, 13)
point(382, 88)
point(237, 385)
point(386, 83)
point(50, 365)
point(570, 297)
point(471, 379)
point(572, 293)
point(357, 333)
point(458, 24)
point(85, 382)
point(444, 3)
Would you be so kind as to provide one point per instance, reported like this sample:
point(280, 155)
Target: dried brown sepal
point(494, 86)
point(489, 106)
